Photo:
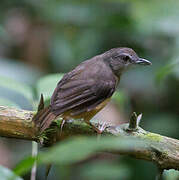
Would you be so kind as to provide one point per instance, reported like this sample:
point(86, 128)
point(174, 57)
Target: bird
point(87, 89)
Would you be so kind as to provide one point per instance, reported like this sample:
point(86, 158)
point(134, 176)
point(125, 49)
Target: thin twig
point(160, 174)
point(34, 154)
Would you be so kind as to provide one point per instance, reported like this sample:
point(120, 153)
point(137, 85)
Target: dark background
point(39, 37)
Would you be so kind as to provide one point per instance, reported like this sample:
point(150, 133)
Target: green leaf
point(104, 170)
point(77, 149)
point(21, 88)
point(24, 166)
point(6, 102)
point(7, 174)
point(47, 84)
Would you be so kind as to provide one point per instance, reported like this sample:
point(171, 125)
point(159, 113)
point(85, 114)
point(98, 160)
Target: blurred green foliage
point(18, 87)
point(171, 175)
point(42, 37)
point(77, 149)
point(47, 84)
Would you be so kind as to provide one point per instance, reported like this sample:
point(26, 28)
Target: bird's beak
point(143, 62)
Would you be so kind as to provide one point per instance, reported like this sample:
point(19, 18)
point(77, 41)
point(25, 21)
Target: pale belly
point(86, 115)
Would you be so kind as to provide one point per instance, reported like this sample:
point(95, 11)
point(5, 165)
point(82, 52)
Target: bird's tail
point(43, 118)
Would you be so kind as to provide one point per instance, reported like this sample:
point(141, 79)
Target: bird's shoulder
point(91, 69)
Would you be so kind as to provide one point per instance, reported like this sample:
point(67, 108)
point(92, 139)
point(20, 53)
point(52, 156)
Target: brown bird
point(85, 90)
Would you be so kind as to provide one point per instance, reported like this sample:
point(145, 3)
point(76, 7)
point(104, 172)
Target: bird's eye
point(126, 58)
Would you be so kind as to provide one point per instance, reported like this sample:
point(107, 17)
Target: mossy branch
point(162, 150)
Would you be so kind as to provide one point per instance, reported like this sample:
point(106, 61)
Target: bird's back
point(83, 88)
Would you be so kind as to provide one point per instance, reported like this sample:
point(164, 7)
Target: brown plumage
point(85, 90)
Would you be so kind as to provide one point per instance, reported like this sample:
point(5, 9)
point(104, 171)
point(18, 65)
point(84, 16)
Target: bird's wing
point(80, 95)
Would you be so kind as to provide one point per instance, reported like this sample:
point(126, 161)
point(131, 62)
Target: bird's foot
point(98, 129)
point(101, 127)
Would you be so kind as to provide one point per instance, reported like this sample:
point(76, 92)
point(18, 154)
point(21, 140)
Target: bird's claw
point(101, 127)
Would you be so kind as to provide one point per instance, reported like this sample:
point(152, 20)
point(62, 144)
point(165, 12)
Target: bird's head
point(120, 59)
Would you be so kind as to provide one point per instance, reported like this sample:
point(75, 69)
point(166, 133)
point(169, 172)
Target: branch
point(162, 150)
point(15, 123)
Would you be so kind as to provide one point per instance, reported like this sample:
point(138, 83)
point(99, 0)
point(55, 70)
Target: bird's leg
point(93, 126)
point(101, 128)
